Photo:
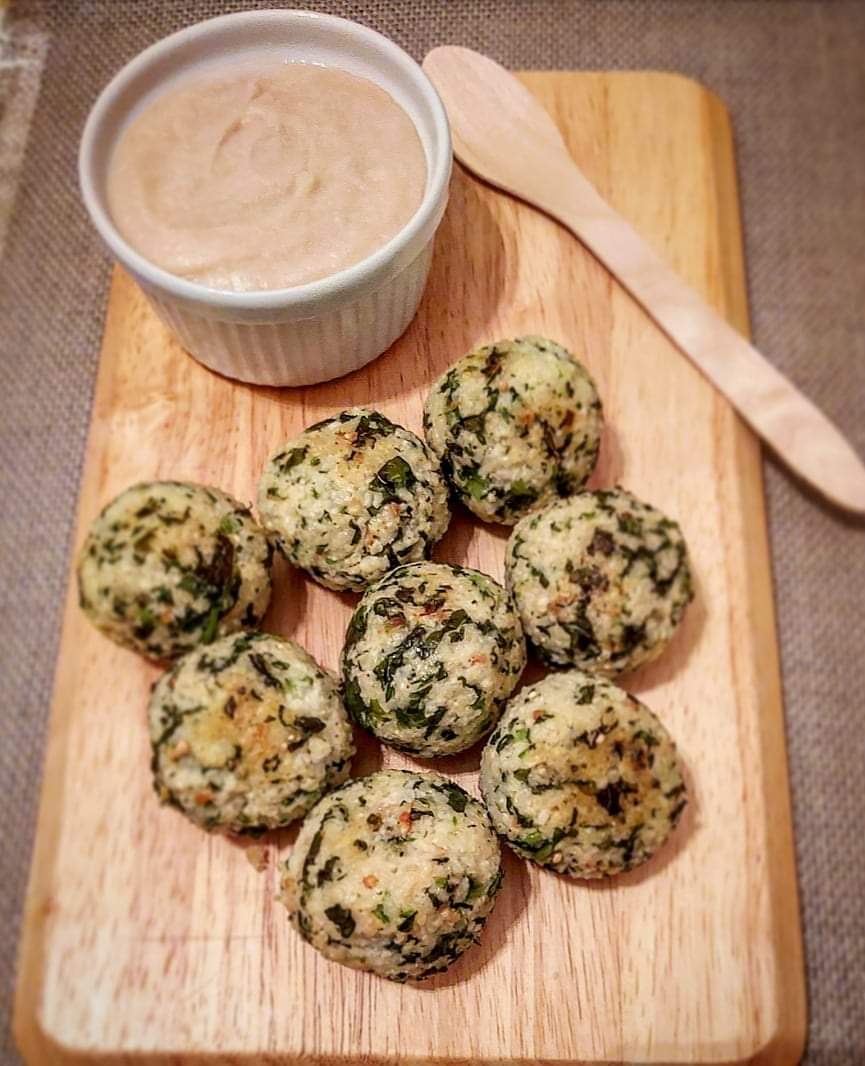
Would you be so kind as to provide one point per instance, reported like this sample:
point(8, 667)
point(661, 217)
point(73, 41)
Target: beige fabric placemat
point(793, 75)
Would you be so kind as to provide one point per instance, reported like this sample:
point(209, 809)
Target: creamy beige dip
point(266, 179)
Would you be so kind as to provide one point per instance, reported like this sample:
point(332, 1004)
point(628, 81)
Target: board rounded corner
point(37, 1043)
point(693, 85)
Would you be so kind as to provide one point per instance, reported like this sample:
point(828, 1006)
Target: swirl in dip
point(265, 179)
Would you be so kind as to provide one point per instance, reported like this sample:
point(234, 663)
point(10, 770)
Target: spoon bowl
point(466, 82)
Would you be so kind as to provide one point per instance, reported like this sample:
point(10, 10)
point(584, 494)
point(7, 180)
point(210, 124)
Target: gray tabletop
point(793, 76)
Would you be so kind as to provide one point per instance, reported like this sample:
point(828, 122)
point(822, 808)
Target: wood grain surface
point(146, 940)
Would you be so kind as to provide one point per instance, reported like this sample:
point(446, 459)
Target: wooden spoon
point(502, 134)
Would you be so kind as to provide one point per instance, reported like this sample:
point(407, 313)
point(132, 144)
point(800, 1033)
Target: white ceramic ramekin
point(311, 332)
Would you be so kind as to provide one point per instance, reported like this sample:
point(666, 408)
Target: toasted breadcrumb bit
point(256, 856)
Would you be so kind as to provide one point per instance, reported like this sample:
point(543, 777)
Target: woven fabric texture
point(793, 76)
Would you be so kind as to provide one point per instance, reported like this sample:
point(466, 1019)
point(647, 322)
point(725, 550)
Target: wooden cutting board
point(146, 940)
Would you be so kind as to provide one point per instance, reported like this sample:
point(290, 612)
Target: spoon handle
point(795, 428)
